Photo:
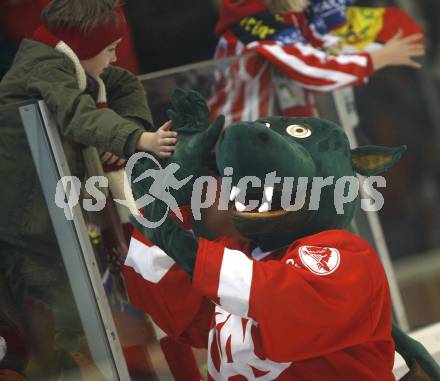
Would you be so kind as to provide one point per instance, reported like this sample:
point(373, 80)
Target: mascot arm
point(170, 237)
point(197, 137)
point(163, 288)
point(416, 356)
point(158, 286)
point(293, 306)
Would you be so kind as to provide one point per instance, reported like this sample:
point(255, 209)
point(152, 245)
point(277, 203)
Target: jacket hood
point(33, 53)
point(232, 11)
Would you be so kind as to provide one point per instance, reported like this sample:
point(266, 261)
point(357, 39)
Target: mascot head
point(287, 177)
point(294, 176)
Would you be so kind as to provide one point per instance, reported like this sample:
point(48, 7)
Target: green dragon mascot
point(304, 298)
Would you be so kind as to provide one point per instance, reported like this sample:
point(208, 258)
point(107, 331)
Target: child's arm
point(161, 142)
point(76, 113)
point(127, 97)
point(316, 70)
point(312, 67)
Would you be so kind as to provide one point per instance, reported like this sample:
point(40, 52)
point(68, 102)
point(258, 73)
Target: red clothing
point(280, 61)
point(232, 11)
point(274, 73)
point(318, 309)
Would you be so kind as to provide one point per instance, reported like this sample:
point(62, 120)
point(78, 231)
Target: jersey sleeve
point(300, 314)
point(158, 286)
point(313, 68)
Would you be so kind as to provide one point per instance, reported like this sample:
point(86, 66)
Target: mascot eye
point(298, 131)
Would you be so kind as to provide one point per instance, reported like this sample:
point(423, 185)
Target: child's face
point(96, 65)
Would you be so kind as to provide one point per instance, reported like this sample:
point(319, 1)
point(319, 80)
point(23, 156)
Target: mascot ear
point(371, 160)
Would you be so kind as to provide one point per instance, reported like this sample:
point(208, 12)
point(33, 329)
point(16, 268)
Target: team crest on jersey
point(320, 260)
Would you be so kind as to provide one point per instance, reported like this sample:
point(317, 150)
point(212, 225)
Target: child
point(86, 33)
point(68, 65)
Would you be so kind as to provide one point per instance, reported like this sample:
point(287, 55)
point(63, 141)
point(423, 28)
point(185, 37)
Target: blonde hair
point(79, 14)
point(285, 6)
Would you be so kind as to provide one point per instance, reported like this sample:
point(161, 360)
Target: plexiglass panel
point(49, 326)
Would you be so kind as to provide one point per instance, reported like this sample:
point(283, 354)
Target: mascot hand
point(197, 138)
point(176, 175)
point(190, 112)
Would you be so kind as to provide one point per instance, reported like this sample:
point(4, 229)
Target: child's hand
point(109, 159)
point(162, 142)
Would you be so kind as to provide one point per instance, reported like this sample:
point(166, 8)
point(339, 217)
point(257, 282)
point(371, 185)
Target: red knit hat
point(86, 45)
point(232, 11)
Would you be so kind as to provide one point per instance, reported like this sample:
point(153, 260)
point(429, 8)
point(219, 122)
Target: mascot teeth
point(264, 207)
point(234, 193)
point(268, 193)
point(239, 206)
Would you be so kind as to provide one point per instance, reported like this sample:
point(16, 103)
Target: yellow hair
point(286, 6)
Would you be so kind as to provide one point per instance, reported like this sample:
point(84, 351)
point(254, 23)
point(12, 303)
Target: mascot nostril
point(302, 298)
point(263, 136)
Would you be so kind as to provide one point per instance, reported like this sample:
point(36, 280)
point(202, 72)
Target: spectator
point(67, 64)
point(290, 38)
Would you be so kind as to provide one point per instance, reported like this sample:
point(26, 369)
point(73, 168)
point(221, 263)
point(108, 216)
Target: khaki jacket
point(41, 72)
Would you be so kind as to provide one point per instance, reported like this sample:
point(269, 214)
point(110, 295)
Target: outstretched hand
point(190, 117)
point(399, 51)
point(162, 142)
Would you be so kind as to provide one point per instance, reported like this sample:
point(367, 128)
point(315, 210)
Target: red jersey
point(316, 310)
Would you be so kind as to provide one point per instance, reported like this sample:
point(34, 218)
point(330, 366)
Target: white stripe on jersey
point(150, 262)
point(235, 282)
